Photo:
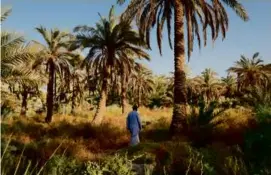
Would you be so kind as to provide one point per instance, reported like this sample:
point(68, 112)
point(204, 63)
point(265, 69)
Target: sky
point(242, 37)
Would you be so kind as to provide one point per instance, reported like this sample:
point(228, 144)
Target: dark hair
point(135, 107)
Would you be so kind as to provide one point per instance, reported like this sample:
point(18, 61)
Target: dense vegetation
point(76, 125)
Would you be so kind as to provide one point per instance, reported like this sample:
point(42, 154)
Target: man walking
point(134, 125)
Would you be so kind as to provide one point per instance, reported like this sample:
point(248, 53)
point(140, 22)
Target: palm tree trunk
point(238, 82)
point(88, 81)
point(50, 92)
point(24, 103)
point(98, 117)
point(55, 87)
point(56, 101)
point(139, 97)
point(73, 97)
point(123, 95)
point(178, 123)
point(208, 96)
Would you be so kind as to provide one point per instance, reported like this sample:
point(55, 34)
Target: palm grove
point(111, 72)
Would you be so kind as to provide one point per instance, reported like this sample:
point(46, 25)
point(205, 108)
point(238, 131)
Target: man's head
point(135, 108)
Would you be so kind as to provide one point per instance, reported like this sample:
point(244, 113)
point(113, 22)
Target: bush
point(157, 131)
point(60, 164)
point(263, 113)
point(201, 123)
point(6, 108)
point(117, 164)
point(257, 147)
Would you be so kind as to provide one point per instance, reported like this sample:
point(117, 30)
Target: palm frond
point(255, 55)
point(45, 34)
point(238, 8)
point(120, 2)
point(5, 12)
point(10, 40)
point(113, 45)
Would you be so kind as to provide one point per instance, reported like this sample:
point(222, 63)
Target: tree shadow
point(156, 131)
point(77, 139)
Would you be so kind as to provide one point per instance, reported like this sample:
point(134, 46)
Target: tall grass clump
point(13, 161)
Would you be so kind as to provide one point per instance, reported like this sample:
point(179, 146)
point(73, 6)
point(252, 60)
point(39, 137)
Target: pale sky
point(242, 38)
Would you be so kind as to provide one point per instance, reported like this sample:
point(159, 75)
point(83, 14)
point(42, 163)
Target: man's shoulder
point(133, 113)
point(130, 113)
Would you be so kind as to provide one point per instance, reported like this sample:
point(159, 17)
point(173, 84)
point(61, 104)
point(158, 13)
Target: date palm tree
point(210, 85)
point(229, 84)
point(16, 74)
point(25, 83)
point(194, 90)
point(160, 94)
point(251, 72)
point(13, 52)
point(55, 56)
point(125, 72)
point(110, 42)
point(77, 85)
point(189, 13)
point(141, 83)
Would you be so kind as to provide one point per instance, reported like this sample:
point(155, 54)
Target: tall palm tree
point(149, 13)
point(123, 73)
point(119, 81)
point(250, 72)
point(55, 55)
point(140, 83)
point(110, 42)
point(189, 83)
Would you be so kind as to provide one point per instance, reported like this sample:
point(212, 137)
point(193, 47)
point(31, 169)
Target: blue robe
point(134, 126)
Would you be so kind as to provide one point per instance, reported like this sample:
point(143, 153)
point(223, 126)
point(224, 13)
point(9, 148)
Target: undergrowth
point(70, 145)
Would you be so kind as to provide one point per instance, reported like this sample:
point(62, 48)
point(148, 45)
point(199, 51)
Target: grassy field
point(74, 138)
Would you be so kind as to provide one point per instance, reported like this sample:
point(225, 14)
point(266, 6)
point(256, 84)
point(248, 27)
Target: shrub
point(235, 166)
point(197, 163)
point(60, 164)
point(156, 130)
point(115, 165)
point(263, 113)
point(201, 123)
point(257, 147)
point(7, 108)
